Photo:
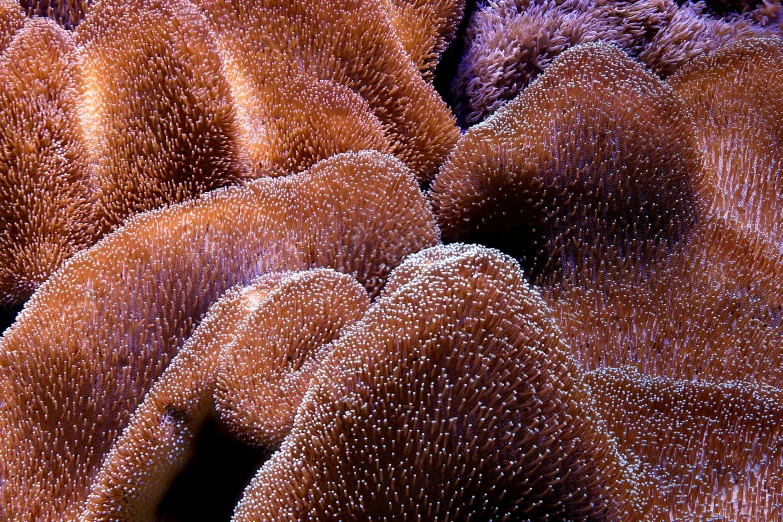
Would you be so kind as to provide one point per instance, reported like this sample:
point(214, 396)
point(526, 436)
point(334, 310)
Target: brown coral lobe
point(47, 186)
point(155, 107)
point(596, 154)
point(457, 369)
point(106, 326)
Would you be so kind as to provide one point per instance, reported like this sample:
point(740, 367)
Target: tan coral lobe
point(155, 106)
point(710, 306)
point(712, 294)
point(452, 398)
point(291, 123)
point(266, 370)
point(47, 187)
point(425, 29)
point(159, 438)
point(174, 99)
point(596, 159)
point(279, 325)
point(352, 46)
point(98, 334)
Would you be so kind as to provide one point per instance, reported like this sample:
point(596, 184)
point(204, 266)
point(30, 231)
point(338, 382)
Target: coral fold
point(98, 334)
point(280, 325)
point(453, 398)
point(47, 187)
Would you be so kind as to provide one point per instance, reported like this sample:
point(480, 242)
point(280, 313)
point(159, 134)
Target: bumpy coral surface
point(713, 447)
point(736, 95)
point(621, 361)
point(154, 102)
point(155, 110)
point(97, 335)
point(353, 47)
point(266, 372)
point(11, 20)
point(658, 250)
point(598, 154)
point(452, 398)
point(425, 28)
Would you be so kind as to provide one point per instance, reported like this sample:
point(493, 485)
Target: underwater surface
point(459, 260)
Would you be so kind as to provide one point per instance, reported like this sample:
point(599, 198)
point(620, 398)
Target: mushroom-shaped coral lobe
point(67, 13)
point(99, 332)
point(713, 448)
point(293, 122)
point(350, 44)
point(717, 296)
point(47, 197)
point(451, 399)
point(155, 107)
point(596, 159)
point(642, 269)
point(11, 20)
point(425, 28)
point(267, 369)
point(279, 325)
point(509, 42)
point(736, 96)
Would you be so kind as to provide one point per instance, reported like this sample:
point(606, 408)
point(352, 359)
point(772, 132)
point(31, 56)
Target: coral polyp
point(268, 278)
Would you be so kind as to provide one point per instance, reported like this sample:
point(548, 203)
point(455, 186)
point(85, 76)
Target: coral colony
point(385, 260)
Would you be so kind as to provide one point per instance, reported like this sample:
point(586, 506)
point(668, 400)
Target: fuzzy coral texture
point(509, 42)
point(152, 102)
point(643, 210)
point(231, 216)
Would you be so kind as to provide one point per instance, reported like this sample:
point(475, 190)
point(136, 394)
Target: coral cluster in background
point(510, 42)
point(230, 216)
